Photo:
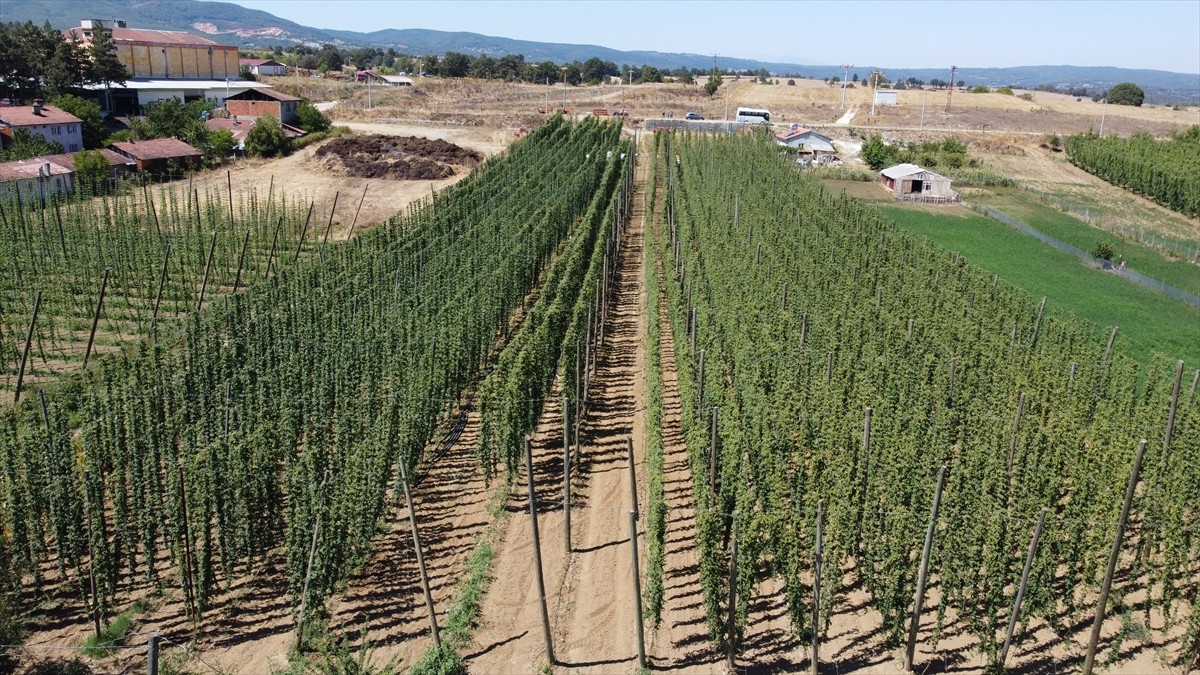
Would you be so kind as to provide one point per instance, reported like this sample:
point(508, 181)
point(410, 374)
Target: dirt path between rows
point(590, 591)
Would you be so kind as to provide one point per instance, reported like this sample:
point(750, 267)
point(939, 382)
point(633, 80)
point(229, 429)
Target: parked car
point(694, 116)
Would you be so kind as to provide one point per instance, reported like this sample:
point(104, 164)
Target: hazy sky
point(1162, 35)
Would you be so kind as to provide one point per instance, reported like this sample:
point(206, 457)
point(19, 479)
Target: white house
point(46, 121)
point(806, 140)
point(260, 67)
point(34, 178)
point(910, 182)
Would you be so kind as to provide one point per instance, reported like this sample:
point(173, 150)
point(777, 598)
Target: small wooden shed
point(913, 183)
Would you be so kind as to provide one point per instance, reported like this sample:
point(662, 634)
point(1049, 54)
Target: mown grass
point(1149, 322)
point(1028, 209)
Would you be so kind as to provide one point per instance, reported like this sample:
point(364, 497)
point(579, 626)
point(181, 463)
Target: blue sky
point(1163, 35)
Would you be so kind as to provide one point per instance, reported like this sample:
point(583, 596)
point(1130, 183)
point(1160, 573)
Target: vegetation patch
point(1149, 322)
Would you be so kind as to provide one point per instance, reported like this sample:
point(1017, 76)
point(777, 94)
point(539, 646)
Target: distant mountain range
point(236, 25)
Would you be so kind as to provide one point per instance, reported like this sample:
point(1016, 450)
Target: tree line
point(40, 62)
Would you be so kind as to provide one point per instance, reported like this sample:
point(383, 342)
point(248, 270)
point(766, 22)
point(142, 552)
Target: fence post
point(152, 654)
point(637, 589)
point(923, 573)
point(412, 520)
point(816, 610)
point(1016, 611)
point(537, 552)
point(1102, 603)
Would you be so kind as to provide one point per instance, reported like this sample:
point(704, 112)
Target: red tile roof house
point(47, 121)
point(259, 102)
point(159, 154)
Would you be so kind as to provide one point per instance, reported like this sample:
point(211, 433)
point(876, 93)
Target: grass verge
point(1149, 322)
point(463, 617)
point(1027, 208)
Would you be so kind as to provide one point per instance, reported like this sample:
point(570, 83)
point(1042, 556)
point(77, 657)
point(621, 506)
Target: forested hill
point(234, 24)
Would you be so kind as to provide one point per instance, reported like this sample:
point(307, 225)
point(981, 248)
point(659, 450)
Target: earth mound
point(396, 157)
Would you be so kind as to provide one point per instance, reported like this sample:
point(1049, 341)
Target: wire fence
point(1132, 276)
point(1187, 250)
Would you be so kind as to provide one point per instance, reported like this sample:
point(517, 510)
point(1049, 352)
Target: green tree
point(93, 127)
point(1126, 93)
point(27, 144)
point(311, 119)
point(266, 139)
point(221, 145)
point(455, 64)
point(246, 74)
point(92, 171)
point(685, 77)
point(65, 70)
point(483, 67)
point(329, 59)
point(649, 74)
point(714, 83)
point(875, 152)
point(103, 65)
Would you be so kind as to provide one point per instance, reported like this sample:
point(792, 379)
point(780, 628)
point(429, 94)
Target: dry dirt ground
point(303, 175)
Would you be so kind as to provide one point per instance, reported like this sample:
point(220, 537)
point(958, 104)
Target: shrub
point(266, 139)
point(978, 89)
point(91, 171)
point(1126, 93)
point(1104, 251)
point(791, 83)
point(311, 119)
point(1007, 91)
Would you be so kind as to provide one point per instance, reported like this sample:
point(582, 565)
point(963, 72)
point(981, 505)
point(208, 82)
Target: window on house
point(71, 129)
point(56, 130)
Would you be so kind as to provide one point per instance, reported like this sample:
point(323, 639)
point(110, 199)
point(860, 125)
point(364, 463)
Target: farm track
point(590, 591)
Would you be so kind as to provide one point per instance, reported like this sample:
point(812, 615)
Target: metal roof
point(175, 85)
point(901, 170)
point(262, 91)
point(158, 148)
point(131, 36)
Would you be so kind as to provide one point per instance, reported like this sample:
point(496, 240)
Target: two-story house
point(47, 121)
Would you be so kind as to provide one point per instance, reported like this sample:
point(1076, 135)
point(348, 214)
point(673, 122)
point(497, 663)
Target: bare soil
point(396, 157)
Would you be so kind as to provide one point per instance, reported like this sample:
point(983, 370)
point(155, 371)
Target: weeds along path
point(590, 591)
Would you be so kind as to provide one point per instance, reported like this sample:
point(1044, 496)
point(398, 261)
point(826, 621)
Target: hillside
point(234, 24)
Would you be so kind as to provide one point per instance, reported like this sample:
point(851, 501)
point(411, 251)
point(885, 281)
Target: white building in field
point(886, 97)
point(909, 182)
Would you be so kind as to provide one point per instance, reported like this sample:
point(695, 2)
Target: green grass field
point(1026, 208)
point(1149, 322)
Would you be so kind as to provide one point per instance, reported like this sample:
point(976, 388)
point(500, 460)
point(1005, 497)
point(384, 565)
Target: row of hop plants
point(812, 309)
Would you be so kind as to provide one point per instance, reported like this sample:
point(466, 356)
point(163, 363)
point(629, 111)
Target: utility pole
point(846, 67)
point(923, 100)
point(950, 86)
point(1103, 110)
point(875, 76)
